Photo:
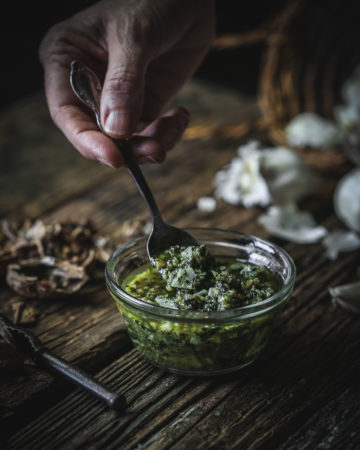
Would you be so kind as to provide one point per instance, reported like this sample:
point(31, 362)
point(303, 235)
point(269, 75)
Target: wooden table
point(302, 393)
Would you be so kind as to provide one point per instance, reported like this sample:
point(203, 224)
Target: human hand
point(143, 51)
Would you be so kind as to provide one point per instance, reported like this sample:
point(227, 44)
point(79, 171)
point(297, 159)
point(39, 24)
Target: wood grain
point(302, 393)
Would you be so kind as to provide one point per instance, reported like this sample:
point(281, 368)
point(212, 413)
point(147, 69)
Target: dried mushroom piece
point(71, 241)
point(45, 278)
point(23, 313)
point(76, 242)
point(6, 257)
point(50, 260)
point(28, 231)
point(103, 249)
point(20, 242)
point(133, 228)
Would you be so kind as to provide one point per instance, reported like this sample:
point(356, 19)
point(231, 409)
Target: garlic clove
point(288, 223)
point(340, 241)
point(347, 296)
point(347, 200)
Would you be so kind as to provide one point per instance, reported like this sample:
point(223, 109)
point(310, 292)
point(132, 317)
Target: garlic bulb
point(347, 200)
point(310, 130)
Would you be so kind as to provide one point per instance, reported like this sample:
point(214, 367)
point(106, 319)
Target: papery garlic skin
point(340, 241)
point(241, 181)
point(288, 223)
point(287, 177)
point(260, 176)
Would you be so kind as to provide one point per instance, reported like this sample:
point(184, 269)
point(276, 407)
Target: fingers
point(123, 90)
point(83, 133)
point(73, 119)
point(151, 144)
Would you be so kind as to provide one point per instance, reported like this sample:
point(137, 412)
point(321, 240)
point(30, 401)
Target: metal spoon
point(87, 88)
point(30, 345)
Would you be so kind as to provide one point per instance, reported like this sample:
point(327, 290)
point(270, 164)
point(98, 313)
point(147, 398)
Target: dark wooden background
point(24, 26)
point(302, 393)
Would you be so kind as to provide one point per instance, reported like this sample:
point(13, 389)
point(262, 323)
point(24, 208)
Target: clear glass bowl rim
point(243, 312)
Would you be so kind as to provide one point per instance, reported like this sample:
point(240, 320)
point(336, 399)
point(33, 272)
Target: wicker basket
point(311, 47)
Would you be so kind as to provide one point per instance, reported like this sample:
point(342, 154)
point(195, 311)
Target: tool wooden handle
point(82, 379)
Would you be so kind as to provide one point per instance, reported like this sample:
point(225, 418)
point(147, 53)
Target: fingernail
point(116, 122)
point(105, 163)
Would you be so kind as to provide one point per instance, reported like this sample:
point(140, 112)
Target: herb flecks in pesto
point(188, 278)
point(184, 267)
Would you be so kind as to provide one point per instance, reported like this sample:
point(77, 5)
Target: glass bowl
point(194, 342)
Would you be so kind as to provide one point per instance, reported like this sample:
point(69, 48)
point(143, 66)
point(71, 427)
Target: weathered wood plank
point(259, 391)
point(92, 330)
point(299, 349)
point(298, 388)
point(330, 427)
point(39, 168)
point(78, 341)
point(107, 211)
point(35, 184)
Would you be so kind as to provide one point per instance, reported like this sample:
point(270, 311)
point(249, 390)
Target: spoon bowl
point(164, 236)
point(87, 87)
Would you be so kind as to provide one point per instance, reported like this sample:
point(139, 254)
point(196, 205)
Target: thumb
point(123, 90)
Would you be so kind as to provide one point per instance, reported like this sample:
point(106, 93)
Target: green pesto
point(189, 278)
point(196, 348)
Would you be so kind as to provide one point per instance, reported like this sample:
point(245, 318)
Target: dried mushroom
point(48, 277)
point(50, 260)
point(19, 242)
point(23, 313)
point(72, 242)
point(131, 229)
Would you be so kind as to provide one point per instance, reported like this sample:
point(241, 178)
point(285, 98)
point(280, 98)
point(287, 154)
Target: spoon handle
point(137, 175)
point(30, 345)
point(82, 379)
